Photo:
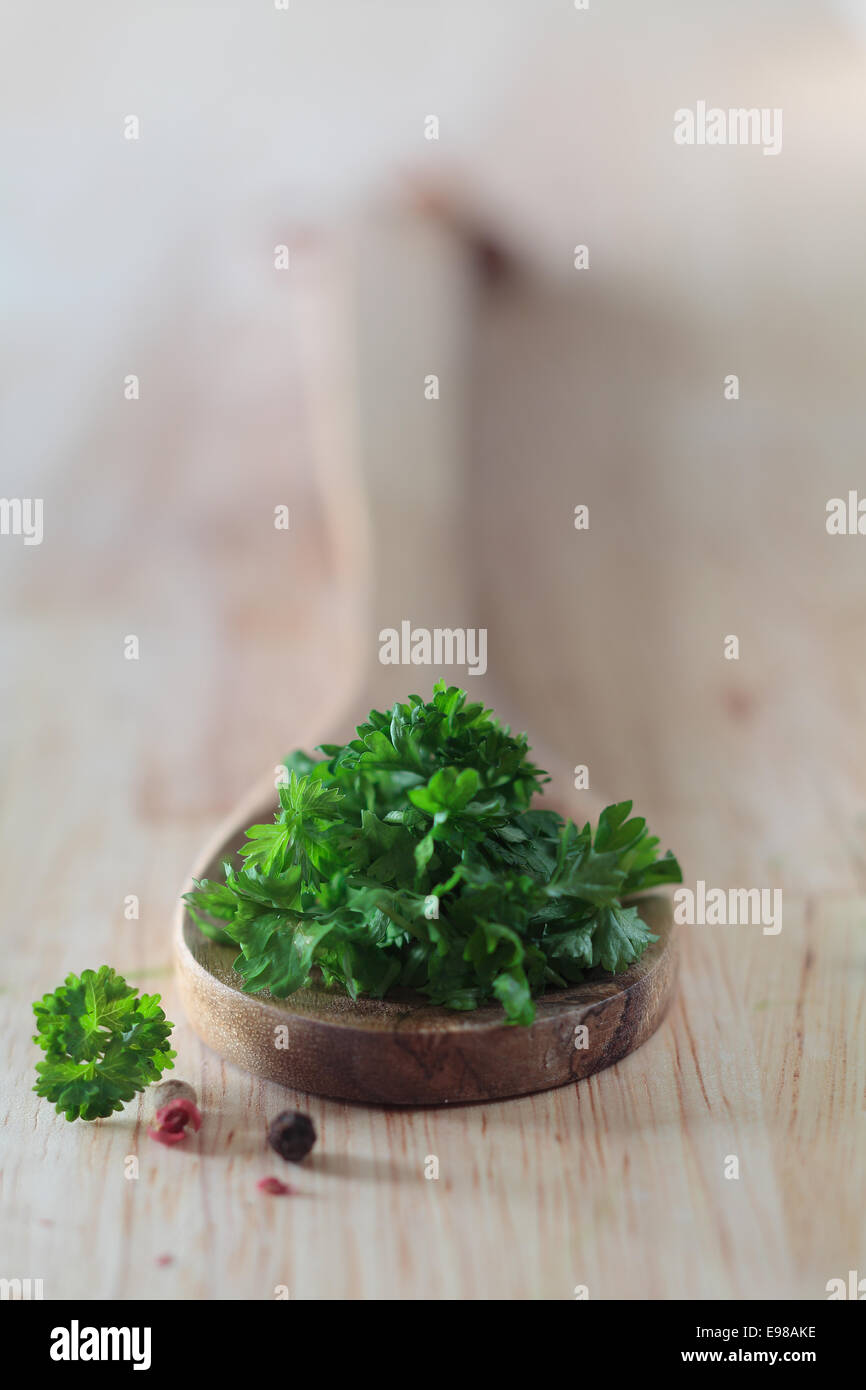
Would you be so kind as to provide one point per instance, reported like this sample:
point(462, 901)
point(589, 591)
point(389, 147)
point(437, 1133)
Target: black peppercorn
point(292, 1135)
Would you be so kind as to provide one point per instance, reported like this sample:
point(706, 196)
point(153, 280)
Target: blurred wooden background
point(706, 519)
point(251, 641)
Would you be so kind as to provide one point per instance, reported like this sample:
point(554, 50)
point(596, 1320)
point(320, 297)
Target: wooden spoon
point(402, 1050)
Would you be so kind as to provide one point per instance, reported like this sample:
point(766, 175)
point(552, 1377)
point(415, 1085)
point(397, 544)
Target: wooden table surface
point(116, 772)
point(616, 1184)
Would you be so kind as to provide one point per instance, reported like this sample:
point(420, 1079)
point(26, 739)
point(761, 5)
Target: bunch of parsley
point(104, 1043)
point(411, 857)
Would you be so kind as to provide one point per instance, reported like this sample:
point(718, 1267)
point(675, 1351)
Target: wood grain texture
point(402, 1050)
point(113, 773)
point(616, 1183)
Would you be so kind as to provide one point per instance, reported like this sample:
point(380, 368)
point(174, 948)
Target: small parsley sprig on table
point(103, 1044)
point(412, 857)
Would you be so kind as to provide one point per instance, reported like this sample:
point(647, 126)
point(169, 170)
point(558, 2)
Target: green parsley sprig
point(103, 1042)
point(412, 857)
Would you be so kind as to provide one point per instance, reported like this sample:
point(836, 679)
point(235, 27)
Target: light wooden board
point(616, 1183)
point(113, 773)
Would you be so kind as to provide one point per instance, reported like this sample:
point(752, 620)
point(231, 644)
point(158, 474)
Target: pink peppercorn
point(172, 1120)
point(275, 1187)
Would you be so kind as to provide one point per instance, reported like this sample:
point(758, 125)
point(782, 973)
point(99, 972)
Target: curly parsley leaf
point(412, 856)
point(104, 1043)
